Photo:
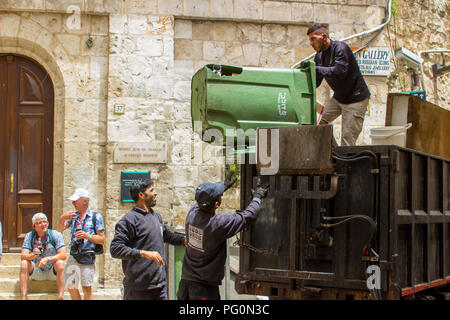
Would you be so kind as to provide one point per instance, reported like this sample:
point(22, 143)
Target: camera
point(412, 59)
point(75, 245)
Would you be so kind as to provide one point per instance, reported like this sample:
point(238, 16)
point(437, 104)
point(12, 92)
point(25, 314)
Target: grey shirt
point(206, 235)
point(142, 230)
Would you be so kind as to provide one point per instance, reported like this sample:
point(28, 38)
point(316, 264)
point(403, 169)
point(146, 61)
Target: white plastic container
point(393, 135)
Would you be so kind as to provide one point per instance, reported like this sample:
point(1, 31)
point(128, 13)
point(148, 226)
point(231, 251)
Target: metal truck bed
point(299, 247)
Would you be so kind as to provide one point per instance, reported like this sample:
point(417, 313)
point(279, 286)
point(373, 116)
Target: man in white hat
point(87, 230)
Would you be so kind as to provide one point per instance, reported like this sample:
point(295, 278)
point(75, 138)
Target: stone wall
point(140, 69)
point(79, 75)
point(144, 54)
point(277, 11)
point(200, 42)
point(419, 26)
point(275, 45)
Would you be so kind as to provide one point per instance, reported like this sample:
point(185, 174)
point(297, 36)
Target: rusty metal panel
point(430, 123)
point(301, 149)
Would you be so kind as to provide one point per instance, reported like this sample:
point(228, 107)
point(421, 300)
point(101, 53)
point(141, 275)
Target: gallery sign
point(374, 61)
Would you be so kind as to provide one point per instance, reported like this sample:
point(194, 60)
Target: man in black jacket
point(336, 64)
point(207, 232)
point(139, 241)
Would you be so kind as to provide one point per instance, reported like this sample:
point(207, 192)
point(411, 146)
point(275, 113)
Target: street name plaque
point(137, 152)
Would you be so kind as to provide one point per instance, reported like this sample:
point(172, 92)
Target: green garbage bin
point(179, 255)
point(229, 97)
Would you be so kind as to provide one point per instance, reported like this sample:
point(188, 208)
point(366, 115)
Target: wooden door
point(26, 147)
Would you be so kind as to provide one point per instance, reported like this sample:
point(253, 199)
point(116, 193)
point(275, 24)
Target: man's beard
point(323, 45)
point(150, 201)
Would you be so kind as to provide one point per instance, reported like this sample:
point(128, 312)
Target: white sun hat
point(80, 193)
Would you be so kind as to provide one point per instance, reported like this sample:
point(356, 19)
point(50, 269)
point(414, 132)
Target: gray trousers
point(352, 118)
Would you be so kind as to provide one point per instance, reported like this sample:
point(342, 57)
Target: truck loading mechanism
point(362, 222)
point(389, 218)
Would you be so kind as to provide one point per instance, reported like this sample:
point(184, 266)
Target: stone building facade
point(421, 26)
point(143, 53)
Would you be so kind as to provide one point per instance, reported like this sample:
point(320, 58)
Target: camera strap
point(45, 242)
point(84, 222)
point(78, 222)
point(94, 222)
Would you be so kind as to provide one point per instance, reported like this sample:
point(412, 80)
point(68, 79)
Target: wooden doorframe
point(9, 195)
point(3, 177)
point(13, 227)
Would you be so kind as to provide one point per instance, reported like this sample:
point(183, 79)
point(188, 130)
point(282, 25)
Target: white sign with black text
point(141, 152)
point(374, 61)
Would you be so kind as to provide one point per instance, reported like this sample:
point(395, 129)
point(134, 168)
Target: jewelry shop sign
point(374, 61)
point(138, 152)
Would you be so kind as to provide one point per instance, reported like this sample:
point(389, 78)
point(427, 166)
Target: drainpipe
point(361, 34)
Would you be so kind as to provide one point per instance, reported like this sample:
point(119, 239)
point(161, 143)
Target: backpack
point(50, 234)
point(98, 247)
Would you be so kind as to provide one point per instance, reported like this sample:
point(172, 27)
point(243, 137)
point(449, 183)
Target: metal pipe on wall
point(422, 75)
point(361, 34)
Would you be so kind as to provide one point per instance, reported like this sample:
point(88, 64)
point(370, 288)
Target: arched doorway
point(26, 146)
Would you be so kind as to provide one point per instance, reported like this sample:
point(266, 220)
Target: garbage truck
point(353, 222)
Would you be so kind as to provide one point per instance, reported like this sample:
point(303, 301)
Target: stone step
point(9, 272)
point(9, 277)
point(101, 294)
point(13, 286)
point(11, 259)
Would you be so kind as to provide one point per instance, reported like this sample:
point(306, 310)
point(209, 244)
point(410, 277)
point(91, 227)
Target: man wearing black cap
point(206, 235)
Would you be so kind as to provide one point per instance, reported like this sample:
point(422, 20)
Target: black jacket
point(207, 234)
point(338, 66)
point(140, 230)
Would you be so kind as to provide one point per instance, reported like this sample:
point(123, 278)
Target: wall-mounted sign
point(374, 61)
point(138, 152)
point(126, 179)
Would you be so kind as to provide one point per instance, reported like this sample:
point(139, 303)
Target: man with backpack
point(43, 255)
point(86, 240)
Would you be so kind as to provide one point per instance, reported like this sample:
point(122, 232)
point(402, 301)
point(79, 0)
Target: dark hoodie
point(338, 66)
point(206, 235)
point(141, 230)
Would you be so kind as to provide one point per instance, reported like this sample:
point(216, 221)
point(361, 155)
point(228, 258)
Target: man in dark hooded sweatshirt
point(206, 235)
point(139, 241)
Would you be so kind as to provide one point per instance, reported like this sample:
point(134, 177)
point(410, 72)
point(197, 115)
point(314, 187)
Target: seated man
point(43, 255)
